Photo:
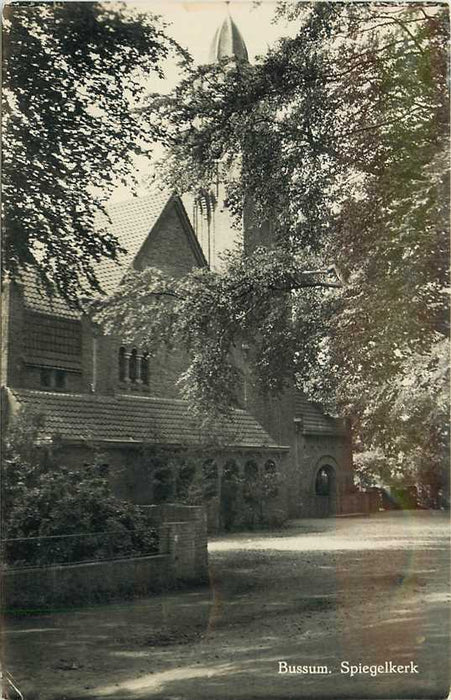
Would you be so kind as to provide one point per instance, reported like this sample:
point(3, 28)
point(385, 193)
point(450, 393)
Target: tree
point(72, 78)
point(340, 137)
point(383, 350)
point(211, 315)
point(54, 514)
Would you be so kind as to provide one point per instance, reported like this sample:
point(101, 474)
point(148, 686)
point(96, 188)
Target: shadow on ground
point(363, 590)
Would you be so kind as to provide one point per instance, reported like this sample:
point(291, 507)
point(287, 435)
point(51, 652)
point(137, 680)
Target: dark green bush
point(54, 514)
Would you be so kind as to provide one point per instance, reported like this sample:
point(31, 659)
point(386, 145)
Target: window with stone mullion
point(133, 366)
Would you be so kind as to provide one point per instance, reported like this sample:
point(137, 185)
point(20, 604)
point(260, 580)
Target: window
point(251, 470)
point(185, 481)
point(163, 484)
point(270, 467)
point(145, 369)
point(53, 378)
point(46, 377)
point(231, 471)
point(229, 492)
point(122, 362)
point(251, 491)
point(60, 379)
point(133, 366)
point(270, 479)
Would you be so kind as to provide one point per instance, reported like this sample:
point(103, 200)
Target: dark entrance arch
point(326, 491)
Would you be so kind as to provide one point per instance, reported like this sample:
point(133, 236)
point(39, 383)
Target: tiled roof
point(37, 300)
point(131, 419)
point(314, 420)
point(131, 222)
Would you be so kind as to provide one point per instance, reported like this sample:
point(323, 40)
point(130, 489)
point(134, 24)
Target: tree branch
point(406, 29)
point(167, 293)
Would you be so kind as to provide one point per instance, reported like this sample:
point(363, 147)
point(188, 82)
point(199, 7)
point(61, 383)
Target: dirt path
point(366, 590)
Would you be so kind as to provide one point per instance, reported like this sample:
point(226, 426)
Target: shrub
point(55, 514)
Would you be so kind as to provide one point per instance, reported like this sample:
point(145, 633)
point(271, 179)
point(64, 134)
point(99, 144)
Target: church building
point(119, 403)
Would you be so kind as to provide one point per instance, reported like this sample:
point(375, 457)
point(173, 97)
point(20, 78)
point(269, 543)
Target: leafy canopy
point(72, 79)
point(339, 136)
point(212, 316)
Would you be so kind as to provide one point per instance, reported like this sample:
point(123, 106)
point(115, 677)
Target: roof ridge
point(140, 197)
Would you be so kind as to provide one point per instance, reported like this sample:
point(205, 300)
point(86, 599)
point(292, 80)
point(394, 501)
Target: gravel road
point(322, 595)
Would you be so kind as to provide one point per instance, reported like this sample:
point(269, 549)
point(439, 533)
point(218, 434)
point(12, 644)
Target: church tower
point(316, 444)
point(212, 222)
point(214, 225)
point(228, 42)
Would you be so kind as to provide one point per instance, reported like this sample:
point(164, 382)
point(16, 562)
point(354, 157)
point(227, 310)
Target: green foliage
point(71, 512)
point(211, 315)
point(72, 80)
point(181, 475)
point(270, 125)
point(260, 491)
point(381, 352)
point(339, 136)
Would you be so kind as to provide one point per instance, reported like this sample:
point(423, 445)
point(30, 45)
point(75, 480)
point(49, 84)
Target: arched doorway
point(326, 491)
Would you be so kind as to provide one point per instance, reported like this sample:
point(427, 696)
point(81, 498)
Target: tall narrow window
point(145, 368)
point(270, 479)
point(270, 467)
point(133, 368)
point(122, 365)
point(46, 377)
point(185, 480)
point(60, 379)
point(229, 492)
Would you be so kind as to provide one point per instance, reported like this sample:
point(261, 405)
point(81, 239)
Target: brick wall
point(183, 558)
point(164, 370)
point(359, 502)
point(73, 381)
point(76, 584)
point(12, 335)
point(131, 478)
point(169, 248)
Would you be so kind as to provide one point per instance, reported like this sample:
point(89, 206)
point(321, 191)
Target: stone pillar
point(138, 379)
point(127, 355)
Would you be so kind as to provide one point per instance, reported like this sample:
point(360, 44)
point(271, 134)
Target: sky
point(193, 24)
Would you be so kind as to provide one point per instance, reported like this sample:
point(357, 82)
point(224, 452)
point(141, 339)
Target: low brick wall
point(88, 582)
point(359, 502)
point(182, 558)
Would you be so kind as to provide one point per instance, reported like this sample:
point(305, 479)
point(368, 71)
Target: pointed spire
point(228, 42)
